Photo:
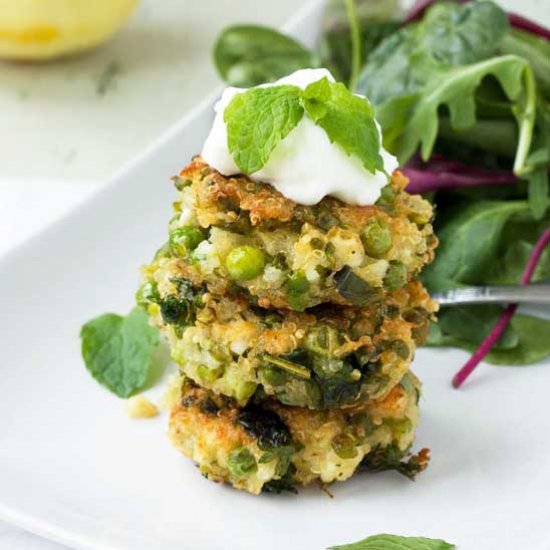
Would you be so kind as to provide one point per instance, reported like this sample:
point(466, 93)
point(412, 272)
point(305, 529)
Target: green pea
point(298, 283)
point(419, 218)
point(396, 276)
point(344, 446)
point(162, 252)
point(244, 391)
point(376, 238)
point(207, 374)
point(245, 263)
point(185, 239)
point(241, 462)
point(180, 183)
point(146, 294)
point(387, 195)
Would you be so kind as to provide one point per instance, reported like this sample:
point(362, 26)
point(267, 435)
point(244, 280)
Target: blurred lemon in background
point(44, 29)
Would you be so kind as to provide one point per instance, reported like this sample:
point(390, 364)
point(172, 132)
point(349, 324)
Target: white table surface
point(60, 138)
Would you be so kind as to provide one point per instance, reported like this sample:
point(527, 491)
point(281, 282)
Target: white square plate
point(73, 468)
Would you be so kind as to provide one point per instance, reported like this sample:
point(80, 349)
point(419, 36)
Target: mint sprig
point(259, 118)
point(118, 351)
point(394, 542)
point(347, 119)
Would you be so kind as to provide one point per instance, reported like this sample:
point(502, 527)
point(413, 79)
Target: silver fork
point(511, 294)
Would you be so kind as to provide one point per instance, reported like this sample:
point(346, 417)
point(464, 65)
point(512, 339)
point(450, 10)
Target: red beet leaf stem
point(502, 324)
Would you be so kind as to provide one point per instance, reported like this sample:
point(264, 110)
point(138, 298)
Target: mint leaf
point(394, 542)
point(347, 119)
point(257, 120)
point(118, 350)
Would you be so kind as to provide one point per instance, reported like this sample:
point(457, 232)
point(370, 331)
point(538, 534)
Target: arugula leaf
point(441, 62)
point(455, 88)
point(248, 55)
point(533, 48)
point(118, 351)
point(347, 119)
point(532, 334)
point(257, 120)
point(395, 542)
point(538, 191)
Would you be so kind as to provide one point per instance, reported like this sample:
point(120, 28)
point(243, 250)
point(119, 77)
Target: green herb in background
point(118, 351)
point(247, 55)
point(394, 542)
point(375, 21)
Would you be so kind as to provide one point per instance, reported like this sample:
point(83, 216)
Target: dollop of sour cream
point(305, 166)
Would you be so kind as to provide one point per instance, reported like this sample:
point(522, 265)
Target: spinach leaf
point(394, 542)
point(470, 240)
point(510, 264)
point(248, 55)
point(461, 34)
point(532, 334)
point(473, 324)
point(450, 34)
point(257, 120)
point(118, 351)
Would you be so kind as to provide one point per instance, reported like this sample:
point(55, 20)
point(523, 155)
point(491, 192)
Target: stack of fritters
point(294, 328)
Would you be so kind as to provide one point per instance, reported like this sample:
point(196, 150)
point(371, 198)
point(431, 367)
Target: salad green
point(395, 542)
point(462, 92)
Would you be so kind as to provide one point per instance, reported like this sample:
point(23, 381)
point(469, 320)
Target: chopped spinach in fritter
point(265, 426)
point(393, 458)
point(179, 309)
point(354, 289)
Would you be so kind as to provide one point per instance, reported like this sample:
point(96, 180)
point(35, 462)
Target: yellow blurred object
point(44, 29)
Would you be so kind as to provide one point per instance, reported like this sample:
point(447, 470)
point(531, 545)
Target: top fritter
point(239, 236)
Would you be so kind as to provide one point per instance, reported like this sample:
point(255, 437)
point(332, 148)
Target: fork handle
point(528, 294)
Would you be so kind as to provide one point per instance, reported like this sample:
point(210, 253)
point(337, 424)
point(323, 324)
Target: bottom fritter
point(270, 447)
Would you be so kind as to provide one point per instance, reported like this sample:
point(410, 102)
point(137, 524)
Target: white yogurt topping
point(305, 166)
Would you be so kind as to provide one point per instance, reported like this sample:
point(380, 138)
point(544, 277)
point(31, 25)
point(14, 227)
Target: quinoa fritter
point(328, 357)
point(239, 236)
point(271, 447)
